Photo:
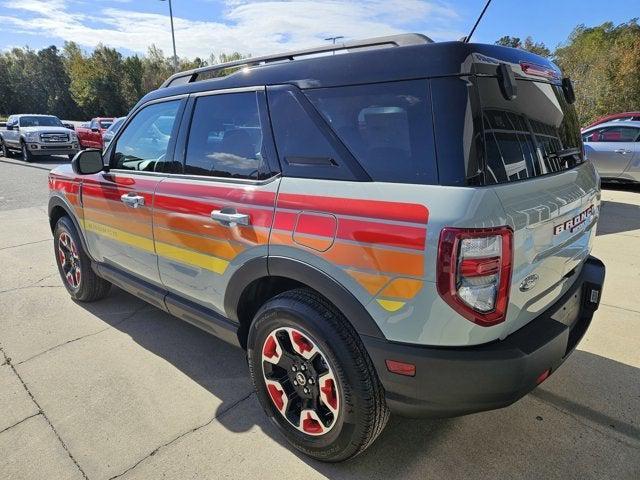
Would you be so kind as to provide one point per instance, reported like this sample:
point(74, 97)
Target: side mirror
point(10, 126)
point(87, 162)
point(95, 129)
point(70, 126)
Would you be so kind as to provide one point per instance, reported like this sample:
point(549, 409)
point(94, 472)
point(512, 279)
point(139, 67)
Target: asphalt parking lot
point(119, 389)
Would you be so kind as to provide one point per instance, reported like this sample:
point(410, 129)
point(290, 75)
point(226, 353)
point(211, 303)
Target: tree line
point(603, 62)
point(73, 84)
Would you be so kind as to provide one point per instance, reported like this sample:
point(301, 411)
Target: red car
point(90, 136)
point(615, 117)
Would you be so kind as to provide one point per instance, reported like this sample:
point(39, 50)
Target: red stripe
point(109, 192)
point(407, 212)
point(258, 217)
point(381, 233)
point(322, 225)
point(115, 180)
point(242, 194)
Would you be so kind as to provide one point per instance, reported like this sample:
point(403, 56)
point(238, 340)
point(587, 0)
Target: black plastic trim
point(460, 380)
point(56, 201)
point(252, 270)
point(144, 290)
point(333, 291)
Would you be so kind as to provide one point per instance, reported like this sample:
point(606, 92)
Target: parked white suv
point(36, 135)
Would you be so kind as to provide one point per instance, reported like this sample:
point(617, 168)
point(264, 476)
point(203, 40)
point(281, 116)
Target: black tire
point(4, 151)
point(70, 157)
point(88, 287)
point(363, 412)
point(25, 153)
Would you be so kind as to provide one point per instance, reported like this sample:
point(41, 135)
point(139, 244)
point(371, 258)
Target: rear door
point(611, 149)
point(214, 211)
point(118, 204)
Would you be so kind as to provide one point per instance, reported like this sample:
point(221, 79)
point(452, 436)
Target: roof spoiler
point(402, 40)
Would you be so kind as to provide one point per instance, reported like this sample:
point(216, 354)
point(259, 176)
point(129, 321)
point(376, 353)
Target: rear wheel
point(314, 378)
point(74, 265)
point(26, 154)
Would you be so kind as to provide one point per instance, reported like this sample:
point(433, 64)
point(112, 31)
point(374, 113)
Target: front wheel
point(314, 377)
point(27, 156)
point(74, 265)
point(4, 150)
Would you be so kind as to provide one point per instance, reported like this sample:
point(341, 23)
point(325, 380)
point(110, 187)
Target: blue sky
point(267, 26)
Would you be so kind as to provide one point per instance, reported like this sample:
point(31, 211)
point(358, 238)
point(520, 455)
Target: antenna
point(468, 37)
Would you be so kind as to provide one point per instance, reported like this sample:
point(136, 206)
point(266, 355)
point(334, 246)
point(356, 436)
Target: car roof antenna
point(468, 37)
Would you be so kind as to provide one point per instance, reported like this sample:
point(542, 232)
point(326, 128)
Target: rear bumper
point(461, 380)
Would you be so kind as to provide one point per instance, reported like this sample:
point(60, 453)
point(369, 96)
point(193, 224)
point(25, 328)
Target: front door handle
point(132, 200)
point(229, 216)
point(622, 151)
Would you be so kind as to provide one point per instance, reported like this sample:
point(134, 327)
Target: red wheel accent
point(311, 425)
point(276, 395)
point(270, 348)
point(329, 391)
point(301, 342)
point(69, 259)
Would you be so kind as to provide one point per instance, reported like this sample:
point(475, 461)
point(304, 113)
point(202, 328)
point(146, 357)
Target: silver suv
point(36, 135)
point(404, 227)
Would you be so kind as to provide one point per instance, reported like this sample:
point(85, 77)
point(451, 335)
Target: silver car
point(614, 149)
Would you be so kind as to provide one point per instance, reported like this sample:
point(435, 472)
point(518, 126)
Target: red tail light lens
point(474, 272)
point(538, 70)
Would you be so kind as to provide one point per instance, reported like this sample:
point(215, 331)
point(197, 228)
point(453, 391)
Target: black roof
point(369, 65)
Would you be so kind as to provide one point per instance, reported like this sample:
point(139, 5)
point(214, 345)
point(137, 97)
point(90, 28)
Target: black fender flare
point(308, 275)
point(57, 201)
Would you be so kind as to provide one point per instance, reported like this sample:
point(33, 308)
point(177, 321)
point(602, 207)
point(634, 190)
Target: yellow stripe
point(190, 257)
point(390, 305)
point(120, 235)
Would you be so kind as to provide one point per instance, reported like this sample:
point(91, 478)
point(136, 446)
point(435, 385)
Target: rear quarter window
point(386, 126)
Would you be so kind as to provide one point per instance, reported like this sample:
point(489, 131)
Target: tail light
point(474, 272)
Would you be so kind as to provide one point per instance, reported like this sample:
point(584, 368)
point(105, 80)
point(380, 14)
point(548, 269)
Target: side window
point(386, 126)
point(225, 138)
point(94, 124)
point(618, 134)
point(144, 142)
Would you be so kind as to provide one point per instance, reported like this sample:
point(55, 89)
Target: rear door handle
point(230, 216)
point(132, 200)
point(622, 151)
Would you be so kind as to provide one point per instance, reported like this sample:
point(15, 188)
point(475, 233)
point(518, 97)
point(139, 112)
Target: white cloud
point(255, 27)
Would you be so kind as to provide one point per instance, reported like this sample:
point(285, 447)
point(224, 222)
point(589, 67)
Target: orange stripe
point(117, 221)
point(211, 246)
point(205, 226)
point(370, 282)
point(367, 257)
point(72, 197)
point(402, 288)
point(117, 208)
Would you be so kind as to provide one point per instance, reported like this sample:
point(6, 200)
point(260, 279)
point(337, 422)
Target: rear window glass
point(535, 134)
point(386, 126)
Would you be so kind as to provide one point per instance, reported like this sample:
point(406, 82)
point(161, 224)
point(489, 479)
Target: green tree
point(529, 45)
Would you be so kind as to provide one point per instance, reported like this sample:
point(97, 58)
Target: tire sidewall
point(24, 153)
point(65, 225)
point(287, 313)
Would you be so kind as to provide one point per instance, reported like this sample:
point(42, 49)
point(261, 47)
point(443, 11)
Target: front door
point(214, 215)
point(118, 204)
point(611, 149)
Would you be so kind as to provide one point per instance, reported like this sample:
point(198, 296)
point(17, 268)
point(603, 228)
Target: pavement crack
point(620, 308)
point(18, 423)
point(44, 415)
point(27, 243)
point(33, 285)
point(109, 327)
point(218, 415)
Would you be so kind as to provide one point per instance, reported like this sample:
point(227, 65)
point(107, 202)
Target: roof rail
point(402, 40)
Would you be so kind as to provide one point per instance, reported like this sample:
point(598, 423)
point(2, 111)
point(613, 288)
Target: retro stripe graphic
point(379, 244)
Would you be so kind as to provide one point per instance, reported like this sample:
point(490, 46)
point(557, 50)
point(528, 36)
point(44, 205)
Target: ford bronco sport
point(401, 226)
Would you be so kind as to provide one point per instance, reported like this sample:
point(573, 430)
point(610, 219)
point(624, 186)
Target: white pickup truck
point(36, 135)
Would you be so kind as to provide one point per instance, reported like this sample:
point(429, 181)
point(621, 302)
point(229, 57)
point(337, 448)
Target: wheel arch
point(263, 278)
point(59, 208)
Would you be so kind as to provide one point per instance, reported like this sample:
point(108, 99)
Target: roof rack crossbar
point(406, 39)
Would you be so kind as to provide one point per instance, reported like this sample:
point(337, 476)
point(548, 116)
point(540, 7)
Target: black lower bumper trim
point(457, 381)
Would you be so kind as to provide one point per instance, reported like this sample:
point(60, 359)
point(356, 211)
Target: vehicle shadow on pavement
point(618, 217)
point(550, 423)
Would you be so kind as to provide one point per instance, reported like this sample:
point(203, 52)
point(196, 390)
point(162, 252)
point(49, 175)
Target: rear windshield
point(535, 134)
point(105, 123)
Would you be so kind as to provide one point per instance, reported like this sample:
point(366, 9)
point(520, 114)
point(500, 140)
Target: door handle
point(622, 151)
point(132, 200)
point(229, 216)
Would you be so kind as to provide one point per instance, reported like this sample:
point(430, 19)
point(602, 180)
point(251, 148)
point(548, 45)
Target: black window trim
point(346, 158)
point(180, 152)
point(108, 155)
